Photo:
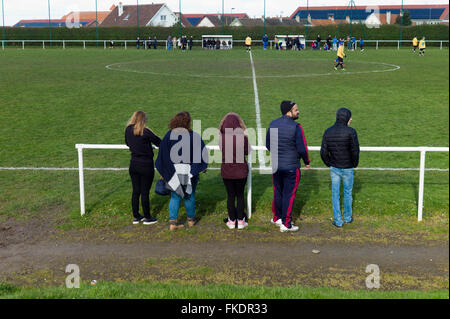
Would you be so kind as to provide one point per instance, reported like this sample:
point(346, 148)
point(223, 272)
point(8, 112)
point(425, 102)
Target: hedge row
point(385, 32)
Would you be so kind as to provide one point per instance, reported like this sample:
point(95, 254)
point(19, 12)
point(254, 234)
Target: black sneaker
point(150, 221)
point(335, 225)
point(349, 222)
point(136, 220)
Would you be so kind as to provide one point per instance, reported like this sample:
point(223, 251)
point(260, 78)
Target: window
point(163, 18)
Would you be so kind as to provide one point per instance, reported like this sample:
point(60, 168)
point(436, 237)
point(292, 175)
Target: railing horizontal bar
point(310, 148)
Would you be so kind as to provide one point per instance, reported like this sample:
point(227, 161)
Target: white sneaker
point(242, 224)
point(279, 222)
point(231, 224)
point(285, 229)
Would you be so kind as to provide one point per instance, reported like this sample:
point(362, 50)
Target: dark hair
point(181, 120)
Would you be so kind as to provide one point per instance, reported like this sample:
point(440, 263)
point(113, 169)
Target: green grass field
point(50, 100)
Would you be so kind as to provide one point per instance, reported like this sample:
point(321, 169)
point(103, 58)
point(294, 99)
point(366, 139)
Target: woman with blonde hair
point(233, 143)
point(139, 139)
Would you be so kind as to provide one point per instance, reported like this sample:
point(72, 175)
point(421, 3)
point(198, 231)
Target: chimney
point(120, 9)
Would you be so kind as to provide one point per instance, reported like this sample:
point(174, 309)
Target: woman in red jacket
point(233, 143)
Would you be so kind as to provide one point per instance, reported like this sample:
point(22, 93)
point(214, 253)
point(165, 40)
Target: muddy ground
point(35, 252)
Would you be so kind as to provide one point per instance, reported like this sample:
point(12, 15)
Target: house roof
point(432, 11)
point(184, 21)
point(271, 22)
point(89, 15)
point(216, 20)
point(130, 14)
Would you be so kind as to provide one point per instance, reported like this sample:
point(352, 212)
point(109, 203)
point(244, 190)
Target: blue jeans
point(189, 201)
point(346, 174)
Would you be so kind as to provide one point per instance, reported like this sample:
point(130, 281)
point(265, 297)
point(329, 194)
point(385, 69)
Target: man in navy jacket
point(287, 144)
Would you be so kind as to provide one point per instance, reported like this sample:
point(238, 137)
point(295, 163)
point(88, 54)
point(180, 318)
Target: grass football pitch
point(52, 99)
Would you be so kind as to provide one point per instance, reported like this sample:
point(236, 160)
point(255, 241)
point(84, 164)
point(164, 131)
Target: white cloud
point(16, 10)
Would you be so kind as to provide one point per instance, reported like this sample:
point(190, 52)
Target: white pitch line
point(210, 168)
point(262, 161)
point(119, 64)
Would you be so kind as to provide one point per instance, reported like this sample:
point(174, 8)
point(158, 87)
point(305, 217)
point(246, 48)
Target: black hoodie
point(340, 146)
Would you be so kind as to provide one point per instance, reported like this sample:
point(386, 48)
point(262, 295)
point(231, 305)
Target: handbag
point(161, 188)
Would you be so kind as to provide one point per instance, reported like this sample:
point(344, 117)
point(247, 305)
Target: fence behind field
point(422, 150)
point(126, 44)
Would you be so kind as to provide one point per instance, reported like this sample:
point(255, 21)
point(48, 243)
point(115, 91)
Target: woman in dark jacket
point(180, 167)
point(139, 139)
point(234, 145)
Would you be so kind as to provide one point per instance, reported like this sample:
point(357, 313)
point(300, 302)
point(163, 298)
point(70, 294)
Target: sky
point(16, 10)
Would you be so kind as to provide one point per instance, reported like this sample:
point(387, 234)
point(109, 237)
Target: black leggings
point(235, 189)
point(141, 179)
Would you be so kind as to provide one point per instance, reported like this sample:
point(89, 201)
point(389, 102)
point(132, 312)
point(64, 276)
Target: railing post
point(81, 176)
point(125, 44)
point(441, 45)
point(64, 44)
point(43, 44)
point(421, 184)
point(249, 185)
point(23, 45)
point(3, 45)
point(398, 45)
point(377, 44)
point(84, 44)
point(104, 45)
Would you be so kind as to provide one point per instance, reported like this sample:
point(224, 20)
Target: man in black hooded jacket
point(340, 152)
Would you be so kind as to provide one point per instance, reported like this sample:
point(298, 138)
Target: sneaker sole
point(149, 223)
point(231, 227)
point(135, 223)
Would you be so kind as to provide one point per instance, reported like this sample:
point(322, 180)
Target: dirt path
point(35, 253)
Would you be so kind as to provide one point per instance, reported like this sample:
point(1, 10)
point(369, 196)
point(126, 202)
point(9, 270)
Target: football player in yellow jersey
point(248, 43)
point(422, 47)
point(340, 56)
point(414, 43)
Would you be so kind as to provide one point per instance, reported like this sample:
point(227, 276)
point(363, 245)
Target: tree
point(406, 18)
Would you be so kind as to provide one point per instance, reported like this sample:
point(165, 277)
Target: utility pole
point(3, 13)
point(401, 24)
point(96, 22)
point(223, 17)
point(179, 22)
point(264, 17)
point(137, 11)
point(49, 24)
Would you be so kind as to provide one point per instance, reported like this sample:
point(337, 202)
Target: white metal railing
point(105, 43)
point(422, 150)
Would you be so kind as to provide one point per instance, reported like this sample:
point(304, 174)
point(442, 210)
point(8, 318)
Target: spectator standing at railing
point(335, 41)
point(138, 43)
point(181, 158)
point(340, 152)
point(169, 43)
point(265, 40)
point(139, 138)
point(286, 143)
point(233, 143)
point(318, 40)
point(191, 43)
point(361, 44)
